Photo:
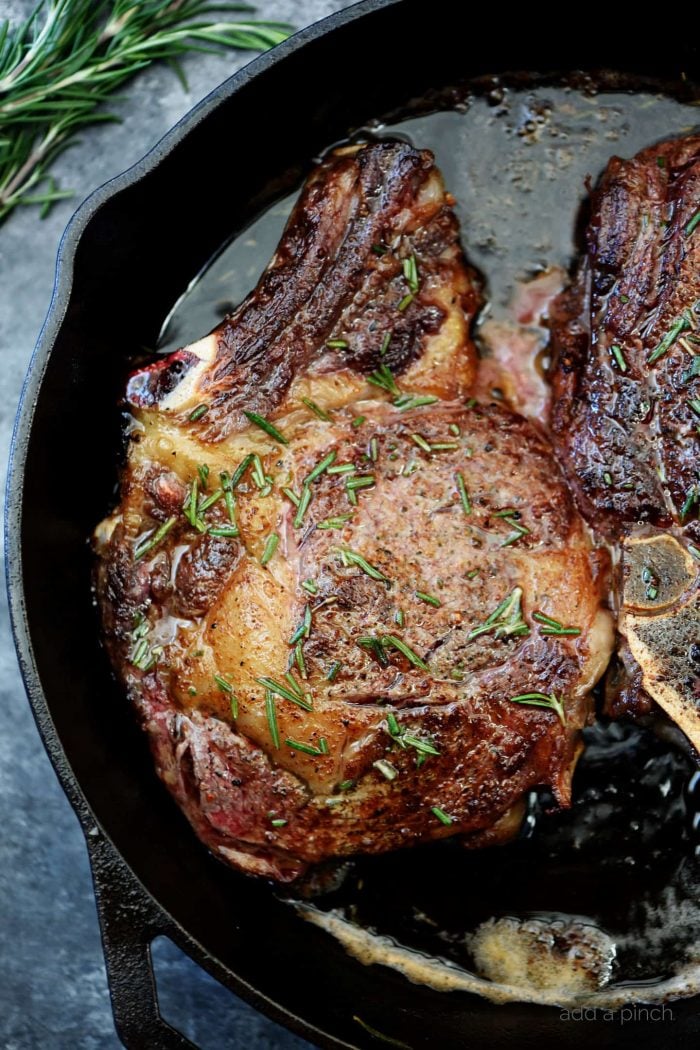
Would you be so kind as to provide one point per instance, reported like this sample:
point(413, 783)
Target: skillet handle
point(129, 921)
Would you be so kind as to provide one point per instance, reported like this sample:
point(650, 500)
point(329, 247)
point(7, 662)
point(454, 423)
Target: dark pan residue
point(613, 882)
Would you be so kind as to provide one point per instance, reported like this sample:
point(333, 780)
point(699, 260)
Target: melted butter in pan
point(557, 962)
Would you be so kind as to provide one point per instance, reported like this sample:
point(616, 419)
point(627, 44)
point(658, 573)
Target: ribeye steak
point(626, 413)
point(331, 571)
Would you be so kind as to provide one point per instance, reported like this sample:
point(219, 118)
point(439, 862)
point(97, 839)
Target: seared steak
point(626, 336)
point(626, 413)
point(355, 609)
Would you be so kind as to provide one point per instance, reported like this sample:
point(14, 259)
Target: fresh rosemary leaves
point(70, 56)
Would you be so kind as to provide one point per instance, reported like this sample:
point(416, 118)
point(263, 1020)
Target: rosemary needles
point(70, 56)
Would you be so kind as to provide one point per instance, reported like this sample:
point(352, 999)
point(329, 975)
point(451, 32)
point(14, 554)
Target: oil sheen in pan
point(599, 904)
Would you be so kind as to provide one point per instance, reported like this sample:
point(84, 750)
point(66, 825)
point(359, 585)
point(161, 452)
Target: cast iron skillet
point(127, 254)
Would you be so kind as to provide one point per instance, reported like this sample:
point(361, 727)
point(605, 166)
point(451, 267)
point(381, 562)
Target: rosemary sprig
point(157, 537)
point(542, 700)
point(281, 690)
point(271, 712)
point(304, 628)
point(423, 747)
point(668, 340)
point(362, 481)
point(304, 501)
point(553, 627)
point(512, 516)
point(227, 489)
point(143, 656)
point(505, 620)
point(692, 497)
point(353, 483)
point(260, 479)
point(435, 446)
point(421, 442)
point(240, 470)
point(227, 531)
point(320, 467)
point(441, 815)
point(463, 494)
point(375, 646)
point(351, 557)
point(309, 749)
point(332, 672)
point(293, 684)
point(225, 687)
point(209, 502)
point(383, 377)
point(334, 523)
point(404, 739)
point(390, 641)
point(410, 272)
point(619, 357)
point(189, 507)
point(70, 56)
point(265, 424)
point(429, 599)
point(406, 401)
point(271, 544)
point(299, 659)
point(316, 409)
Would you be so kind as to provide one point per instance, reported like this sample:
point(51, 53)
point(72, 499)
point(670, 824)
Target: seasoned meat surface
point(627, 337)
point(324, 609)
point(626, 415)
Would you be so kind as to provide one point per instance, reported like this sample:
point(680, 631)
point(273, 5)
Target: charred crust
point(628, 436)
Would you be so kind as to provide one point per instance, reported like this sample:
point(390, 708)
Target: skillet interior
point(125, 259)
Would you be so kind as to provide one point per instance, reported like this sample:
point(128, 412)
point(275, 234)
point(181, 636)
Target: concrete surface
point(53, 991)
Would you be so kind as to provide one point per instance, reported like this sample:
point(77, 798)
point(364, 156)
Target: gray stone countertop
point(53, 990)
